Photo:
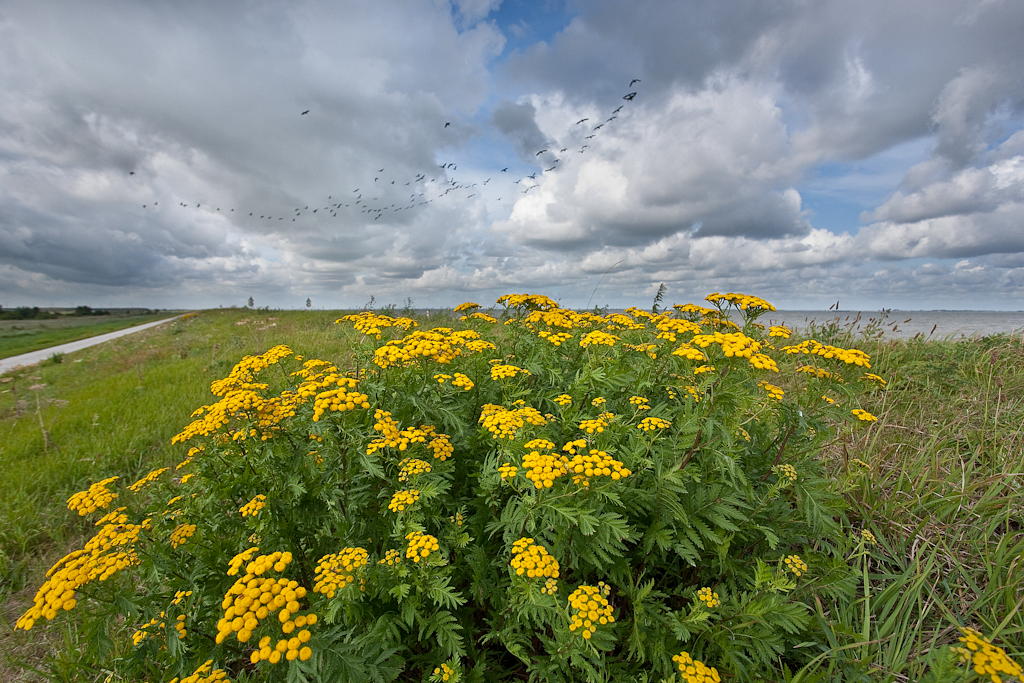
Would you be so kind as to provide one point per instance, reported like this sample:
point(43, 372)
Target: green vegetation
point(941, 488)
point(22, 336)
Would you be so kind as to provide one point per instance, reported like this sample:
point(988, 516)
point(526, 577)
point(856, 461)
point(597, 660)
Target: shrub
point(552, 495)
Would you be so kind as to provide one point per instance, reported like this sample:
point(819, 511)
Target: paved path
point(33, 357)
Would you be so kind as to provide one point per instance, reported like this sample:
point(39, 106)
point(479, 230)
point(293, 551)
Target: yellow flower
point(863, 415)
point(779, 331)
point(598, 338)
point(337, 570)
point(741, 301)
point(420, 545)
point(708, 597)
point(182, 533)
point(507, 371)
point(785, 471)
point(412, 467)
point(507, 470)
point(985, 658)
point(650, 424)
point(254, 506)
point(695, 671)
point(590, 609)
point(96, 497)
point(772, 390)
point(795, 564)
point(563, 400)
point(403, 499)
point(533, 560)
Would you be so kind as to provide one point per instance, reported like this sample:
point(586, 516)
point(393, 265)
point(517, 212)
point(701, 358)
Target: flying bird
point(504, 170)
point(629, 96)
point(635, 80)
point(617, 109)
point(550, 169)
point(304, 113)
point(581, 121)
point(562, 150)
point(599, 126)
point(447, 123)
point(540, 152)
point(589, 137)
point(131, 172)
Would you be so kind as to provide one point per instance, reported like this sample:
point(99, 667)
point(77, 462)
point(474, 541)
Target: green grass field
point(945, 496)
point(24, 336)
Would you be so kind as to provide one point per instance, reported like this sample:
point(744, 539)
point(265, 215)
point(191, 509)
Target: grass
point(23, 336)
point(945, 495)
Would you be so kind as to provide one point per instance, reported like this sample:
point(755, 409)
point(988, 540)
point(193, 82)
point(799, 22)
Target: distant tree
point(309, 302)
point(251, 303)
point(658, 298)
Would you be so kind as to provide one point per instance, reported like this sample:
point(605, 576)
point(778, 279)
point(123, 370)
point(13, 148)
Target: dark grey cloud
point(518, 122)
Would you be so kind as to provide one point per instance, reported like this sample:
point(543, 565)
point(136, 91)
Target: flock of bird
point(424, 188)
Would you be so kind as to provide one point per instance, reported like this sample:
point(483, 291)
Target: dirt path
point(8, 364)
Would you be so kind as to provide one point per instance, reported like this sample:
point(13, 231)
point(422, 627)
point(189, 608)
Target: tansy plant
point(639, 501)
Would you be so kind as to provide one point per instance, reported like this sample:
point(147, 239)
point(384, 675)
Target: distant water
point(905, 324)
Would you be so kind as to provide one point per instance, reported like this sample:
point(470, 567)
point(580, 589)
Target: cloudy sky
point(155, 153)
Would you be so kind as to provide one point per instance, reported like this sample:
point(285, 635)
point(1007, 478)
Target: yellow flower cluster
point(504, 423)
point(775, 392)
point(337, 570)
point(479, 316)
point(242, 376)
point(373, 324)
point(563, 400)
point(828, 400)
point(780, 331)
point(420, 545)
point(650, 424)
point(677, 325)
point(391, 558)
point(640, 402)
point(692, 391)
point(157, 623)
point(649, 349)
point(688, 352)
point(253, 598)
point(741, 301)
point(182, 533)
point(596, 425)
point(543, 468)
point(137, 486)
point(458, 380)
point(598, 338)
point(820, 373)
point(467, 306)
point(556, 338)
point(533, 301)
point(109, 551)
point(868, 537)
point(550, 587)
point(204, 674)
point(443, 672)
point(695, 671)
point(987, 659)
point(507, 470)
point(533, 560)
point(254, 506)
point(874, 378)
point(708, 597)
point(507, 371)
point(412, 467)
point(863, 415)
point(574, 447)
point(816, 348)
point(440, 344)
point(242, 558)
point(694, 309)
point(732, 343)
point(343, 398)
point(440, 445)
point(590, 607)
point(96, 497)
point(795, 564)
point(763, 362)
point(595, 464)
point(539, 445)
point(701, 369)
point(785, 471)
point(403, 499)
